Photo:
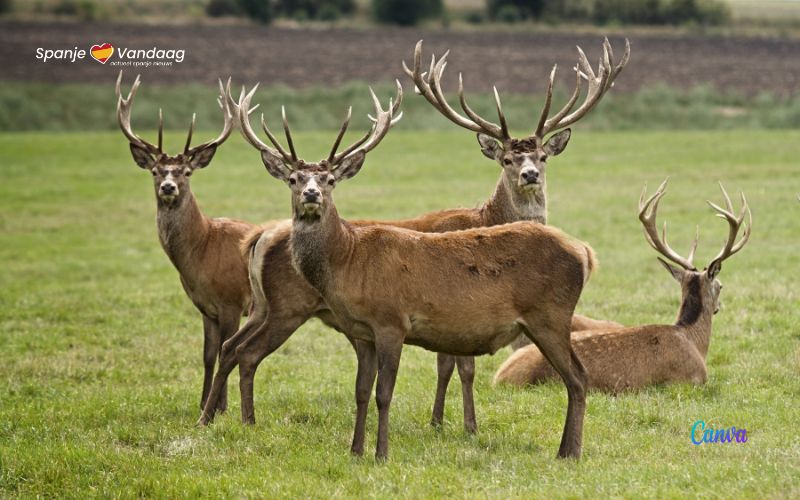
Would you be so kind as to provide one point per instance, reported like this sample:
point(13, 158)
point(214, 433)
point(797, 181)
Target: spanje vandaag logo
point(115, 56)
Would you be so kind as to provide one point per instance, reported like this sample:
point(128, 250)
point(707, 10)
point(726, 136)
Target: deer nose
point(168, 188)
point(530, 175)
point(311, 195)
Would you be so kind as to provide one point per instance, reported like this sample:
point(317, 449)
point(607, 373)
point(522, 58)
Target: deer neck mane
point(182, 229)
point(695, 316)
point(317, 243)
point(507, 204)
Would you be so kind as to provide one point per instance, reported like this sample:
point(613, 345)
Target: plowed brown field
point(515, 62)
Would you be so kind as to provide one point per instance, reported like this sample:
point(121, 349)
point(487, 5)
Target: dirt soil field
point(516, 62)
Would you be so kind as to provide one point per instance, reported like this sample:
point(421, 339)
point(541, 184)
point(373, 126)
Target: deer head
point(312, 183)
point(523, 160)
point(693, 282)
point(170, 173)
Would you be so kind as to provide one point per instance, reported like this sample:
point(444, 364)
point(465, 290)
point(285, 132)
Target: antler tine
point(124, 106)
point(547, 102)
point(468, 110)
point(625, 58)
point(734, 223)
point(286, 156)
point(432, 91)
point(579, 77)
point(288, 134)
point(250, 135)
point(500, 115)
point(189, 137)
point(647, 215)
point(394, 105)
point(599, 83)
point(420, 86)
point(229, 113)
point(339, 136)
point(397, 102)
point(235, 105)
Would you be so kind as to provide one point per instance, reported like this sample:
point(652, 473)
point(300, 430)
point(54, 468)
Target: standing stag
point(521, 192)
point(636, 357)
point(464, 292)
point(204, 251)
point(519, 195)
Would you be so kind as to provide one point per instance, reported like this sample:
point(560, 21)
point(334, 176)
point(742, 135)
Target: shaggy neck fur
point(317, 243)
point(182, 229)
point(695, 315)
point(508, 204)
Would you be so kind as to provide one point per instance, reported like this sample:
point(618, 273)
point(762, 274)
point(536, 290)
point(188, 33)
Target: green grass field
point(100, 351)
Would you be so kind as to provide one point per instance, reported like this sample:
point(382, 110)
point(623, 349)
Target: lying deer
point(204, 251)
point(636, 357)
point(520, 195)
point(465, 292)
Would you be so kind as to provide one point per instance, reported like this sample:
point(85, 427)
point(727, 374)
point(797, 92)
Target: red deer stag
point(521, 192)
point(636, 357)
point(518, 196)
point(204, 251)
point(465, 292)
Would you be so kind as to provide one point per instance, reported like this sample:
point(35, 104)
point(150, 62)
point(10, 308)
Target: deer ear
point(714, 268)
point(202, 158)
point(489, 146)
point(558, 142)
point(674, 271)
point(142, 157)
point(349, 166)
point(275, 165)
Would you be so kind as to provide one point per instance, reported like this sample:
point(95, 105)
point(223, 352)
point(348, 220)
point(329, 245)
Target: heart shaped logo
point(102, 53)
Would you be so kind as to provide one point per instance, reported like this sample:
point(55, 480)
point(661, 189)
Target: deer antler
point(252, 137)
point(431, 89)
point(228, 116)
point(382, 122)
point(124, 106)
point(735, 224)
point(599, 83)
point(647, 215)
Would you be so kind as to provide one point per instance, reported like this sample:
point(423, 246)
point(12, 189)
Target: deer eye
point(331, 181)
point(292, 181)
point(507, 161)
point(187, 172)
point(154, 172)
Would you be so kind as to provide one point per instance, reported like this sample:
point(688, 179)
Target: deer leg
point(389, 347)
point(228, 326)
point(211, 343)
point(466, 372)
point(263, 342)
point(227, 362)
point(555, 345)
point(444, 368)
point(365, 378)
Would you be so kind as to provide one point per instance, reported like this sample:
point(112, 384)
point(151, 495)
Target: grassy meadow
point(100, 350)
